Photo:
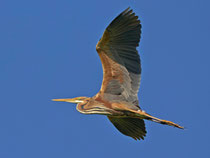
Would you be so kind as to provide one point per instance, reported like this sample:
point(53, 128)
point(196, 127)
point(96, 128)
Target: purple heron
point(117, 98)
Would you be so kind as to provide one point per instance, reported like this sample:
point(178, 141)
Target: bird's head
point(73, 100)
point(87, 105)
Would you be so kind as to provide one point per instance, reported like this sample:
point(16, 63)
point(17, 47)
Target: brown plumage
point(121, 64)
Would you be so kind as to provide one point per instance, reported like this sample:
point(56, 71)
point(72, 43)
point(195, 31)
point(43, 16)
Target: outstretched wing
point(120, 59)
point(132, 127)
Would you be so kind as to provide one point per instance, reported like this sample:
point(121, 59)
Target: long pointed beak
point(58, 99)
point(66, 100)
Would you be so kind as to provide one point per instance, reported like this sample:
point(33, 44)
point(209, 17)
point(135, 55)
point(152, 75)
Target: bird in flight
point(117, 98)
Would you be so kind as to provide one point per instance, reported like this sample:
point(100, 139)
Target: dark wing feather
point(120, 59)
point(132, 127)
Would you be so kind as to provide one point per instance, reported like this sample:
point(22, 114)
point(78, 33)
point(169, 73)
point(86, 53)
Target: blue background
point(47, 50)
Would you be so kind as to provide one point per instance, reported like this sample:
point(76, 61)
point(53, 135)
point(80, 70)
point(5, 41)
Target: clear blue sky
point(47, 50)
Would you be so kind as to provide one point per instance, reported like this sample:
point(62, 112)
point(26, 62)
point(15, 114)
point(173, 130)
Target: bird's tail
point(154, 119)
